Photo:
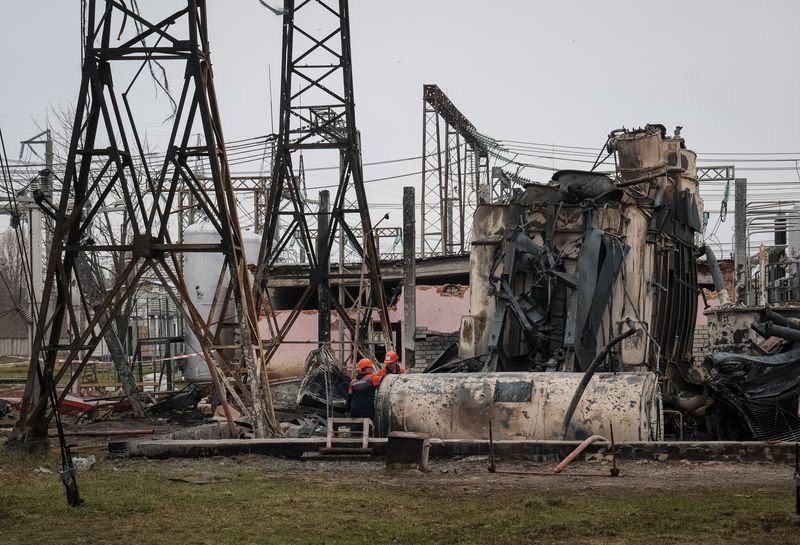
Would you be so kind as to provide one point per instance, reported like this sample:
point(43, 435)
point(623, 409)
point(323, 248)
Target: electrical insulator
point(14, 223)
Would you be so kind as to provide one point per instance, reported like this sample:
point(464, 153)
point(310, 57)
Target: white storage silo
point(201, 272)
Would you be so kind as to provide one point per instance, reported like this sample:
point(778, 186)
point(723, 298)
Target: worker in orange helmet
point(391, 365)
point(361, 394)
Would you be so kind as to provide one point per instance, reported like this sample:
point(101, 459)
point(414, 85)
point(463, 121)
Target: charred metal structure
point(317, 114)
point(751, 380)
point(570, 261)
point(586, 274)
point(106, 162)
point(569, 264)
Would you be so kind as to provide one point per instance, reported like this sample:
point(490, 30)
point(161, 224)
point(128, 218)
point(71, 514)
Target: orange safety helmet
point(364, 363)
point(391, 357)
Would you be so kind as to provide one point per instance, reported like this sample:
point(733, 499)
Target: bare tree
point(96, 270)
point(12, 271)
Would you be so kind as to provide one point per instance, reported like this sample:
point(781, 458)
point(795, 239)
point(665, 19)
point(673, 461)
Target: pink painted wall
point(439, 308)
point(713, 300)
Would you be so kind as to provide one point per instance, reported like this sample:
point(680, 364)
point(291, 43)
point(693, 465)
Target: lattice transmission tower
point(108, 167)
point(317, 120)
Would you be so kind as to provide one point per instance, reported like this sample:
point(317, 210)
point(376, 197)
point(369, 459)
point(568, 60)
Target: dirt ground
point(469, 471)
point(251, 499)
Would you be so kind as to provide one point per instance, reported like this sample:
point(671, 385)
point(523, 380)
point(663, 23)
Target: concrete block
point(408, 449)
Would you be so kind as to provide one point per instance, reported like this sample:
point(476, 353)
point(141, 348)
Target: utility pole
point(740, 258)
point(323, 295)
point(409, 277)
point(36, 227)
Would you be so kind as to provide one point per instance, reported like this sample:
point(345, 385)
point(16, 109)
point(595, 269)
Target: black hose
point(780, 319)
point(587, 376)
point(716, 272)
point(773, 330)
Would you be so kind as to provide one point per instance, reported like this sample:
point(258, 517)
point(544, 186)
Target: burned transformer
point(583, 306)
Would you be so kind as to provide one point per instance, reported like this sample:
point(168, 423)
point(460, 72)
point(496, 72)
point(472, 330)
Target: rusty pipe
point(580, 448)
point(643, 179)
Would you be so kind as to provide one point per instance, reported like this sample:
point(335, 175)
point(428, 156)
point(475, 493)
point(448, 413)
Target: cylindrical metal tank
point(201, 273)
point(526, 406)
point(639, 152)
point(689, 164)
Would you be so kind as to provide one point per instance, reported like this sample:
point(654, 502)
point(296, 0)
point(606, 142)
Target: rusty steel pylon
point(317, 116)
point(107, 159)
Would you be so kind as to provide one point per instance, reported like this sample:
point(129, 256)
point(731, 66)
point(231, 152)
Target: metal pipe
point(614, 468)
point(492, 468)
point(716, 275)
point(773, 330)
point(587, 376)
point(643, 179)
point(780, 319)
point(574, 454)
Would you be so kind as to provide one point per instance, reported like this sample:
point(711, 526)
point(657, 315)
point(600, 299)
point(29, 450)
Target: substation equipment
point(585, 274)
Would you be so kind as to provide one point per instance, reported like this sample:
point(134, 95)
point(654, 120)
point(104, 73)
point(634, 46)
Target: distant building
point(13, 325)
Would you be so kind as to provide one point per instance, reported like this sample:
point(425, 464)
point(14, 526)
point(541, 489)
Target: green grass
point(102, 373)
point(13, 369)
point(282, 502)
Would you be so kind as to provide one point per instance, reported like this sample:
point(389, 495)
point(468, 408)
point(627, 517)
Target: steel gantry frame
point(455, 175)
point(317, 113)
point(106, 157)
point(249, 190)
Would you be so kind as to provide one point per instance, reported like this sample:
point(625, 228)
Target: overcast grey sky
point(563, 73)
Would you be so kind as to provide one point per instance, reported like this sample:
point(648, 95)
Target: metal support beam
point(323, 290)
point(409, 278)
point(740, 257)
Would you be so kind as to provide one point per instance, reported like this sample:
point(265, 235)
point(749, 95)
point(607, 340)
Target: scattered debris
point(84, 464)
point(756, 394)
point(184, 400)
point(324, 383)
point(310, 426)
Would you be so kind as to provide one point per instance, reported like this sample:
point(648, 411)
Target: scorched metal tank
point(524, 406)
